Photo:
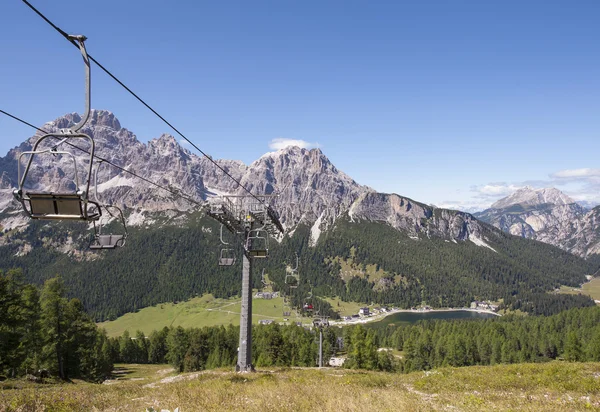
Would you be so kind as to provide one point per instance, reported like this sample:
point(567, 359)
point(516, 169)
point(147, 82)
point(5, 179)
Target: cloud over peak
point(282, 143)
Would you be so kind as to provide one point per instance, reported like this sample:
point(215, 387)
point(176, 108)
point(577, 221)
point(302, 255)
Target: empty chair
point(48, 204)
point(109, 240)
point(257, 243)
point(227, 257)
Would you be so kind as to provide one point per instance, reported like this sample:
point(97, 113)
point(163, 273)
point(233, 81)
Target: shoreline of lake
point(381, 316)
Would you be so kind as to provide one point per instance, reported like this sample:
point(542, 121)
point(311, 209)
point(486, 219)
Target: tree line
point(194, 349)
point(572, 335)
point(42, 330)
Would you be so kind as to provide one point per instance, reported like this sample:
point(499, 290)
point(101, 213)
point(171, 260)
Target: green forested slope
point(169, 263)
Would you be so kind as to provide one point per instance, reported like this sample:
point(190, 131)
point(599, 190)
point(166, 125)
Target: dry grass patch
point(550, 387)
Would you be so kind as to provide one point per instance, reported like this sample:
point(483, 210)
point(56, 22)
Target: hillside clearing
point(197, 312)
point(591, 288)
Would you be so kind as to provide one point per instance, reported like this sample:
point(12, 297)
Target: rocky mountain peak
point(5, 181)
point(528, 196)
point(104, 118)
point(101, 118)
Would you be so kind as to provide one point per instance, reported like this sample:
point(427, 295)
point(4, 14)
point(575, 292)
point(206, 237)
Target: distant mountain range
point(547, 215)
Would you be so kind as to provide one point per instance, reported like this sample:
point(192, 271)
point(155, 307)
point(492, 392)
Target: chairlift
point(111, 240)
point(291, 280)
point(73, 205)
point(104, 240)
point(257, 243)
point(263, 282)
point(227, 256)
point(321, 322)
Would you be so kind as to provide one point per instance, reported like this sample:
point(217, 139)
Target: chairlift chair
point(257, 243)
point(263, 282)
point(227, 256)
point(292, 281)
point(111, 240)
point(320, 323)
point(74, 205)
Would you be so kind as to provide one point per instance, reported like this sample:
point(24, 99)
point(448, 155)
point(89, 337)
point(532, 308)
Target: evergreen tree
point(157, 349)
point(54, 325)
point(177, 347)
point(127, 349)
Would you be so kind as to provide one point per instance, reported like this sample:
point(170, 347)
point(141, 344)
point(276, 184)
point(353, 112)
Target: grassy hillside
point(553, 386)
point(197, 312)
point(591, 288)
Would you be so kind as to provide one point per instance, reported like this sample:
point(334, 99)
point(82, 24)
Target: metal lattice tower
point(252, 218)
point(320, 323)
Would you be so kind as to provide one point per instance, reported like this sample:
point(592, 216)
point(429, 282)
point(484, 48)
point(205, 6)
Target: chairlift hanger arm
point(80, 40)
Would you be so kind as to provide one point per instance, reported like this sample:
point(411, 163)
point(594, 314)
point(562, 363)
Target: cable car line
point(66, 36)
point(175, 193)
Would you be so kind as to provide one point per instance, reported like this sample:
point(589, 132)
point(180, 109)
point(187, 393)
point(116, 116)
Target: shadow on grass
point(120, 373)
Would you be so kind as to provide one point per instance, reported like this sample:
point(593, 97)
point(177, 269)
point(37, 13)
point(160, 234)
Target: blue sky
point(454, 103)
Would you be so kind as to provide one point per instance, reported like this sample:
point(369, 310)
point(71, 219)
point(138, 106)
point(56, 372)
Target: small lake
point(407, 318)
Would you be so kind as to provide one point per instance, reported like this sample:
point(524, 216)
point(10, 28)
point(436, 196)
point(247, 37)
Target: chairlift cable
point(189, 199)
point(66, 36)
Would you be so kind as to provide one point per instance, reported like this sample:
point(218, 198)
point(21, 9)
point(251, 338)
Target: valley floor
point(208, 311)
point(555, 386)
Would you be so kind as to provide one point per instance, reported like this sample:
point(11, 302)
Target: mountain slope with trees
point(174, 263)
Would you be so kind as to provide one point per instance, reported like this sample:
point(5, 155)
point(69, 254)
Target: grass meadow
point(555, 386)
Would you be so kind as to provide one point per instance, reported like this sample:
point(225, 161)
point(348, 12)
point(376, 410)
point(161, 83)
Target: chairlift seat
point(63, 206)
point(108, 242)
point(227, 257)
point(226, 261)
point(258, 253)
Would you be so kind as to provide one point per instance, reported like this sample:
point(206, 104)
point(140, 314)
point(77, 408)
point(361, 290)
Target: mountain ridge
point(309, 187)
point(549, 216)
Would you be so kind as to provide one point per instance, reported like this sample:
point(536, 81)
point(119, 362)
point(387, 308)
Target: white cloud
point(469, 206)
point(183, 142)
point(282, 142)
point(497, 190)
point(584, 173)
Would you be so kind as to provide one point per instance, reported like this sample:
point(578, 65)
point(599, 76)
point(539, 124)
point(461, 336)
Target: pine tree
point(177, 346)
point(53, 323)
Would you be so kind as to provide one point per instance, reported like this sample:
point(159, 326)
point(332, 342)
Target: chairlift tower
point(320, 323)
point(251, 218)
